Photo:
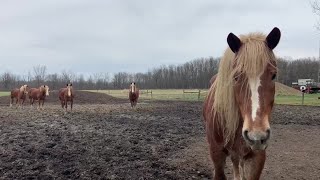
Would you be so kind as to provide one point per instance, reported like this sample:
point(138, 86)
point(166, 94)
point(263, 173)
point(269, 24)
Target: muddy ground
point(103, 138)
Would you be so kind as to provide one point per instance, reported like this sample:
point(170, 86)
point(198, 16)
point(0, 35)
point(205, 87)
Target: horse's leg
point(42, 103)
point(71, 104)
point(22, 105)
point(39, 103)
point(219, 162)
point(17, 101)
point(252, 165)
point(66, 105)
point(235, 163)
point(62, 104)
point(11, 101)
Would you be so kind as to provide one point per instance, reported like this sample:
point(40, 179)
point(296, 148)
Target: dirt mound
point(282, 89)
point(81, 97)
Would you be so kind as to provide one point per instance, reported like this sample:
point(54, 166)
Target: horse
point(38, 94)
point(19, 94)
point(237, 109)
point(65, 95)
point(133, 94)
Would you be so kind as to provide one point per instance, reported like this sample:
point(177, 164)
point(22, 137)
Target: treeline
point(193, 74)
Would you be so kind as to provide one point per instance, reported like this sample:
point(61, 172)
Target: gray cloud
point(110, 36)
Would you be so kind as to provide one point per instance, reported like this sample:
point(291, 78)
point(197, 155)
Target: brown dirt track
point(105, 139)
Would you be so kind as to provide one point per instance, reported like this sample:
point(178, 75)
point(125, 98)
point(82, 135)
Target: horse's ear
point(234, 42)
point(273, 38)
point(70, 84)
point(67, 84)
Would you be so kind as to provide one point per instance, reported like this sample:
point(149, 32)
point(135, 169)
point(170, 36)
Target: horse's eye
point(274, 76)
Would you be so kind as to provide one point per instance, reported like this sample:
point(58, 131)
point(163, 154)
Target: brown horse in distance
point(65, 95)
point(19, 94)
point(237, 110)
point(133, 94)
point(38, 94)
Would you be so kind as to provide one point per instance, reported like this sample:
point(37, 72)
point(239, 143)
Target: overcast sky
point(87, 36)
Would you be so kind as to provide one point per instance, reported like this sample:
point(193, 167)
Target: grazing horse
point(238, 107)
point(65, 95)
point(38, 94)
point(19, 94)
point(133, 94)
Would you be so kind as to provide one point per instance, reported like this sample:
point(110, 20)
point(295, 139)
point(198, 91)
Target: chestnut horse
point(19, 94)
point(65, 95)
point(238, 107)
point(38, 94)
point(133, 94)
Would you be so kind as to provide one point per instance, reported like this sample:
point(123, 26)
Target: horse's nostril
point(246, 136)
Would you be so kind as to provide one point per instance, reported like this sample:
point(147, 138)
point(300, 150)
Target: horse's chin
point(258, 147)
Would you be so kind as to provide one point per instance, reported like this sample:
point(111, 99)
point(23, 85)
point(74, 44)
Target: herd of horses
point(236, 111)
point(66, 95)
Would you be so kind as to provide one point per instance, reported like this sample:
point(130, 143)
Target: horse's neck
point(42, 92)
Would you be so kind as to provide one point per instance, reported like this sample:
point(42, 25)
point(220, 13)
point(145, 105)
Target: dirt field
point(106, 139)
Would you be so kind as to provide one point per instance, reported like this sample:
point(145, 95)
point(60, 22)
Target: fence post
point(199, 95)
point(183, 94)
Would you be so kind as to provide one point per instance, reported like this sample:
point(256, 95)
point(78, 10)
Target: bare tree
point(53, 81)
point(7, 80)
point(98, 80)
point(67, 76)
point(39, 73)
point(316, 9)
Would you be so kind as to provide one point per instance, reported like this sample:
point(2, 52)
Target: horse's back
point(31, 92)
point(14, 93)
point(61, 93)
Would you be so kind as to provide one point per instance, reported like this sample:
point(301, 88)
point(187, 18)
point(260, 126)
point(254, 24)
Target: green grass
point(4, 93)
point(159, 94)
point(309, 99)
point(177, 94)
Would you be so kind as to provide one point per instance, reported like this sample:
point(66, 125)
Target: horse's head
point(24, 89)
point(45, 89)
point(254, 71)
point(69, 88)
point(133, 87)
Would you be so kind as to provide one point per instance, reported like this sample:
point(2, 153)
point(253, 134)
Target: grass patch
point(159, 94)
point(309, 99)
point(4, 93)
point(177, 94)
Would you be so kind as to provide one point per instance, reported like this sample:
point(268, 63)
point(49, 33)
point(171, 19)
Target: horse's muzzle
point(257, 140)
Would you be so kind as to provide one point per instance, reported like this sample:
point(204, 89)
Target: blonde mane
point(23, 88)
point(251, 60)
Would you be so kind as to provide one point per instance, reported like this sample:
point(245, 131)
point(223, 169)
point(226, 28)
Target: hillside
point(282, 89)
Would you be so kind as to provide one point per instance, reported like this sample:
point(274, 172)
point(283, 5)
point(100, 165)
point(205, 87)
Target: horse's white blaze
point(254, 84)
point(69, 92)
point(132, 88)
